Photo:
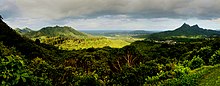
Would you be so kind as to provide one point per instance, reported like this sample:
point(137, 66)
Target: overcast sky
point(111, 14)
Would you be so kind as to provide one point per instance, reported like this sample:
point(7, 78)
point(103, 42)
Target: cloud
point(56, 9)
point(8, 8)
point(98, 14)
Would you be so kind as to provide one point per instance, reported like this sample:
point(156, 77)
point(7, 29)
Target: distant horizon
point(156, 30)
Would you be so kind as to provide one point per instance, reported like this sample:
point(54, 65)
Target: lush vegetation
point(83, 43)
point(211, 78)
point(147, 62)
point(67, 38)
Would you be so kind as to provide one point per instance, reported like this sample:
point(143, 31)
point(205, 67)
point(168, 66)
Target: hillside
point(56, 31)
point(211, 79)
point(27, 47)
point(185, 31)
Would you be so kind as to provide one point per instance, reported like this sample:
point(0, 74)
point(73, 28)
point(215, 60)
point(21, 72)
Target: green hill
point(56, 31)
point(23, 31)
point(185, 31)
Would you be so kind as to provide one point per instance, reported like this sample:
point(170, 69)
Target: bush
point(215, 58)
point(189, 79)
point(176, 72)
point(14, 72)
point(196, 62)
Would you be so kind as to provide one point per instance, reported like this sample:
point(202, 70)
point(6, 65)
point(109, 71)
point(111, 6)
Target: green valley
point(67, 38)
point(83, 43)
point(67, 57)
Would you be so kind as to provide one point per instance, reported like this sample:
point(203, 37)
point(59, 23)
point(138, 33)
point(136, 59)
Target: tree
point(215, 58)
point(196, 62)
point(1, 17)
point(37, 41)
point(131, 55)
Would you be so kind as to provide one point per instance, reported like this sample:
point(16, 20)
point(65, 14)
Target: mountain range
point(185, 30)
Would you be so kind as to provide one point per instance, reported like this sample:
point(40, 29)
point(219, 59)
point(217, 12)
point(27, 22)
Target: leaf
point(17, 78)
point(22, 62)
point(3, 82)
point(24, 80)
point(25, 75)
point(9, 58)
point(4, 76)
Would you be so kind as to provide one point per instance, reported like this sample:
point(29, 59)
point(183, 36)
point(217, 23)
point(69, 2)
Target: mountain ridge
point(23, 31)
point(185, 30)
point(64, 31)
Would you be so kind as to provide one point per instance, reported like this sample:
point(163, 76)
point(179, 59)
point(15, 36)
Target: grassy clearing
point(85, 43)
point(91, 43)
point(211, 79)
point(204, 76)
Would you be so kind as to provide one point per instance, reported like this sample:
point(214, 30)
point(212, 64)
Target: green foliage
point(12, 72)
point(149, 62)
point(83, 43)
point(212, 78)
point(215, 58)
point(15, 72)
point(196, 62)
point(90, 79)
point(190, 79)
point(175, 72)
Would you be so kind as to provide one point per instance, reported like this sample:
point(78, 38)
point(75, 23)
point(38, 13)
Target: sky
point(111, 14)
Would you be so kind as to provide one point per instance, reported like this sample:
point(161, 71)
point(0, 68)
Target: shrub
point(215, 58)
point(176, 72)
point(13, 71)
point(189, 79)
point(196, 62)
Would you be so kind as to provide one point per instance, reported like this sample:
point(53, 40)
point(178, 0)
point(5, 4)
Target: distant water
point(104, 31)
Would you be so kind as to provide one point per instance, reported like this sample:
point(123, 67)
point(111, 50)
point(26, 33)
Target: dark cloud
point(111, 13)
point(58, 9)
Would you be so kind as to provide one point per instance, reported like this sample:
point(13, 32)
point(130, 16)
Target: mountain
point(23, 31)
point(56, 31)
point(25, 46)
point(185, 30)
